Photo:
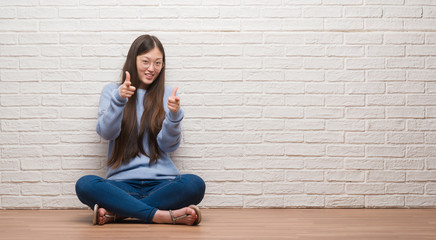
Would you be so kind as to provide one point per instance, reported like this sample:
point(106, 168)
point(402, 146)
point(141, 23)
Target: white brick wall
point(289, 103)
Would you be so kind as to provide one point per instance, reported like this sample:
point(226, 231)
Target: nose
point(151, 67)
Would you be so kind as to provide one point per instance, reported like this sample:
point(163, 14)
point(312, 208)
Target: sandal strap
point(172, 217)
point(111, 216)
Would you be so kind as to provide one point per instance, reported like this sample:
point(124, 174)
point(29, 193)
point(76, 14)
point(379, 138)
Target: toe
point(193, 213)
point(190, 211)
point(101, 213)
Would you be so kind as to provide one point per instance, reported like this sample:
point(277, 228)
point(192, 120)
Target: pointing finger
point(127, 78)
point(174, 92)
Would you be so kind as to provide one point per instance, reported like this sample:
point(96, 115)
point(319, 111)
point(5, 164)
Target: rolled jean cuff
point(151, 216)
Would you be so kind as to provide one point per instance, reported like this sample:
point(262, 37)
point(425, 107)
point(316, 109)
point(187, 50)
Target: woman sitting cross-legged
point(141, 118)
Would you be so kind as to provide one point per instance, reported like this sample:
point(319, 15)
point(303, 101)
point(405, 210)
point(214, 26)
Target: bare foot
point(107, 217)
point(165, 217)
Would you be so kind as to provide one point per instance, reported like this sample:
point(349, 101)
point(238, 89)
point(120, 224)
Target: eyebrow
point(152, 59)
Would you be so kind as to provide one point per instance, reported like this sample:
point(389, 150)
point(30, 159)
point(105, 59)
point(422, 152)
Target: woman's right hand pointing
point(126, 90)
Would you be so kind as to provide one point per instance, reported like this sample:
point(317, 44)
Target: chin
point(147, 82)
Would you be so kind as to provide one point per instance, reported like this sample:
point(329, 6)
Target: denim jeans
point(140, 198)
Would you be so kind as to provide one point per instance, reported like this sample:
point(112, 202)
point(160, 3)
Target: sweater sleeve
point(110, 112)
point(170, 135)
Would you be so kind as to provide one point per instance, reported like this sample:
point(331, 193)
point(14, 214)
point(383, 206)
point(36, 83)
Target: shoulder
point(108, 88)
point(168, 91)
point(111, 86)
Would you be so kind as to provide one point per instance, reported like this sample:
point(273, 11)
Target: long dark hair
point(129, 143)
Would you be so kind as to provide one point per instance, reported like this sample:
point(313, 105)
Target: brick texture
point(298, 104)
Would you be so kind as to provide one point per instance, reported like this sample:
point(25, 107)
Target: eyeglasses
point(158, 64)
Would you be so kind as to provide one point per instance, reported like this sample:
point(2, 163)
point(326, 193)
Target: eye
point(158, 63)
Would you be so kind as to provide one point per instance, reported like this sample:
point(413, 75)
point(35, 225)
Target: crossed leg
point(121, 199)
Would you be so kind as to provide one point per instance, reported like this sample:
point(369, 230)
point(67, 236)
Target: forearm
point(170, 136)
point(110, 114)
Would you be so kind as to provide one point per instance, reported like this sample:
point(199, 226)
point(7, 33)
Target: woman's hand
point(126, 90)
point(174, 101)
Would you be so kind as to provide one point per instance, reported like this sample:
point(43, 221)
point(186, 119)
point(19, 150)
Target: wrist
point(175, 116)
point(118, 95)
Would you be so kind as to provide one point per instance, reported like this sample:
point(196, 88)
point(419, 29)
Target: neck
point(143, 86)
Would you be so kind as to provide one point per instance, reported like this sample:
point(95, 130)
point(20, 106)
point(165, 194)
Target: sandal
point(197, 211)
point(95, 215)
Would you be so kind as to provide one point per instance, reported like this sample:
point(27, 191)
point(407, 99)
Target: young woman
point(141, 119)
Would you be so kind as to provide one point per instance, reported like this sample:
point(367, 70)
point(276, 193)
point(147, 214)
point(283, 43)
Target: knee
point(197, 184)
point(85, 183)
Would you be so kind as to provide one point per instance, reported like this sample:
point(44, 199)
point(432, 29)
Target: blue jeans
point(140, 198)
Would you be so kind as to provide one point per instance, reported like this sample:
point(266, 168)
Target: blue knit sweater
point(110, 114)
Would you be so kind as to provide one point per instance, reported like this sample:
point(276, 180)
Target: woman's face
point(149, 66)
